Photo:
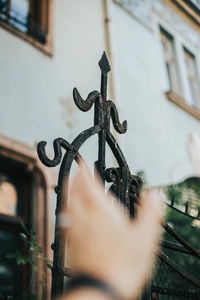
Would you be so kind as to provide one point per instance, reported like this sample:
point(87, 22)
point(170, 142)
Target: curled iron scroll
point(113, 175)
point(82, 104)
point(119, 127)
point(57, 144)
point(135, 187)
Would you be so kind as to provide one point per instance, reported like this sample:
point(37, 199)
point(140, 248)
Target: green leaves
point(50, 266)
point(20, 260)
point(19, 257)
point(34, 267)
point(183, 226)
point(23, 236)
point(34, 253)
point(24, 227)
point(11, 255)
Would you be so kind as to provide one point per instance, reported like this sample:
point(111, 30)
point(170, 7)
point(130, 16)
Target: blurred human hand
point(103, 241)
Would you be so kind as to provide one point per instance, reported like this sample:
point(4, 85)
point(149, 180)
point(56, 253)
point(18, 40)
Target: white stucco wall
point(158, 130)
point(36, 90)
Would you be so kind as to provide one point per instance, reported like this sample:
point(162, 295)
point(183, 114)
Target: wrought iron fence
point(169, 281)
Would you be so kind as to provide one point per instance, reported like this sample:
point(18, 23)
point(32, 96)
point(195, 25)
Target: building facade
point(49, 47)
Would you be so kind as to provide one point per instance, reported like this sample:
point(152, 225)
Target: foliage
point(188, 192)
point(188, 228)
point(183, 225)
point(34, 253)
point(185, 191)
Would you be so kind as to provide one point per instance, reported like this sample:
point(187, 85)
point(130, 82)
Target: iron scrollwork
point(125, 186)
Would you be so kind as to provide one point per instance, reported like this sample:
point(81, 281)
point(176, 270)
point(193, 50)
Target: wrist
point(90, 285)
point(86, 294)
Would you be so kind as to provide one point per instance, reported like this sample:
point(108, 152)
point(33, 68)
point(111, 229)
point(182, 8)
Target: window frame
point(43, 181)
point(45, 19)
point(172, 69)
point(192, 78)
point(12, 223)
point(180, 99)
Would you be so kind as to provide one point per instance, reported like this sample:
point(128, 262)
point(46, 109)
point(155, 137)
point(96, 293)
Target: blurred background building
point(50, 46)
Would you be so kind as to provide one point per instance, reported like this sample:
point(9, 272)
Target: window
point(196, 3)
point(192, 79)
point(14, 207)
point(24, 189)
point(170, 62)
point(190, 100)
point(27, 18)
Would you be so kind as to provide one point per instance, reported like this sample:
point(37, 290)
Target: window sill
point(181, 103)
point(46, 48)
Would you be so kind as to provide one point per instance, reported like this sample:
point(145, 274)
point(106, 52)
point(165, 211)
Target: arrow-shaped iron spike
point(105, 68)
point(104, 64)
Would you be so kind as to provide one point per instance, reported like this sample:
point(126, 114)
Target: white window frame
point(169, 56)
point(192, 77)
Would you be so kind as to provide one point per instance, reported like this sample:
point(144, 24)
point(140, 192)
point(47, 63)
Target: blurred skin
point(105, 243)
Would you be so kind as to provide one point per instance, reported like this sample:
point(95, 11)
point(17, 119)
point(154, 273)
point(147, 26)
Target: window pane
point(190, 64)
point(196, 2)
point(14, 191)
point(8, 198)
point(192, 92)
point(3, 9)
point(27, 16)
point(10, 273)
point(192, 78)
point(19, 14)
point(168, 76)
point(170, 63)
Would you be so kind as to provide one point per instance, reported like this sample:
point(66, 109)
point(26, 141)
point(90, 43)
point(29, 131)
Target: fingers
point(146, 232)
point(85, 191)
point(84, 169)
point(152, 205)
point(76, 200)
